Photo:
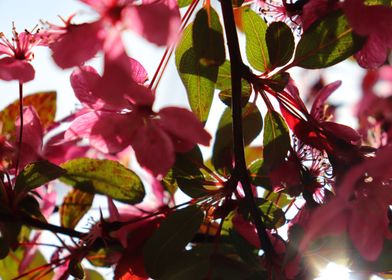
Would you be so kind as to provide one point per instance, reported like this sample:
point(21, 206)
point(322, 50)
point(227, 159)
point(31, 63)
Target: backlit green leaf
point(327, 41)
point(280, 42)
point(199, 80)
point(105, 177)
point(207, 36)
point(37, 174)
point(276, 138)
point(75, 205)
point(223, 146)
point(256, 48)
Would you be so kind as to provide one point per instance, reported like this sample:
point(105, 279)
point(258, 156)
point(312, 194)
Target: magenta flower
point(127, 119)
point(74, 44)
point(360, 207)
point(376, 26)
point(16, 56)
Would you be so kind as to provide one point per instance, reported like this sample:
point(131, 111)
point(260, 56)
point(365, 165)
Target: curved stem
point(240, 170)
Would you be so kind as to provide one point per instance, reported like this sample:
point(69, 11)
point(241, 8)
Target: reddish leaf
point(43, 102)
point(74, 206)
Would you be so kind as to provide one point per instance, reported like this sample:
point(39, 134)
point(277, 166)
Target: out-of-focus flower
point(73, 44)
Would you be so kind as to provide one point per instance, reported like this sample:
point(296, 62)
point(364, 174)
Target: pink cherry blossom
point(73, 44)
point(16, 56)
point(126, 118)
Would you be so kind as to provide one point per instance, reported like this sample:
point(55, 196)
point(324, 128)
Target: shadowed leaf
point(170, 239)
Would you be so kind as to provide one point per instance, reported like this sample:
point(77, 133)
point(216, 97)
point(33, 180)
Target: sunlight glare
point(334, 271)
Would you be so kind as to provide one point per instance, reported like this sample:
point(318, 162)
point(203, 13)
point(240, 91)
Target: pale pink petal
point(143, 19)
point(14, 69)
point(154, 149)
point(79, 44)
point(183, 124)
point(107, 132)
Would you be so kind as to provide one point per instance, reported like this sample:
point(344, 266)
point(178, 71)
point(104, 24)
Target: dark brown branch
point(240, 170)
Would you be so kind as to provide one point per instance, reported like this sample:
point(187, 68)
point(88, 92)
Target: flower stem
point(240, 170)
point(20, 128)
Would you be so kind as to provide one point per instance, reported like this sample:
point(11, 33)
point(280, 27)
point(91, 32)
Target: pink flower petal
point(154, 149)
point(373, 54)
point(32, 136)
point(321, 98)
point(367, 224)
point(14, 69)
point(79, 44)
point(329, 219)
point(183, 124)
point(107, 132)
point(143, 19)
point(83, 80)
point(138, 72)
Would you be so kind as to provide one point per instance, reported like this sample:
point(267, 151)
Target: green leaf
point(74, 207)
point(30, 206)
point(186, 171)
point(274, 216)
point(199, 80)
point(278, 82)
point(224, 84)
point(280, 42)
point(256, 48)
point(327, 41)
point(280, 199)
point(37, 174)
point(93, 275)
point(276, 139)
point(170, 239)
point(207, 38)
point(9, 267)
point(183, 3)
point(105, 177)
point(258, 174)
point(223, 146)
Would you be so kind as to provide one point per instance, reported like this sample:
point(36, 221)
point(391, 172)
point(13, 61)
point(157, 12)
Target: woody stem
point(240, 170)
